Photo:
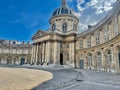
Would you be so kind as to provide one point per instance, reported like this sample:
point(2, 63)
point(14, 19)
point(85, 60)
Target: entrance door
point(61, 59)
point(22, 61)
point(81, 64)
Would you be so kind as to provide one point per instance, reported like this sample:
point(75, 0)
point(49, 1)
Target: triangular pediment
point(40, 33)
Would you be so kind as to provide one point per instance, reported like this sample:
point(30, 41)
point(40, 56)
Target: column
point(86, 61)
point(77, 61)
point(112, 59)
point(48, 51)
point(94, 63)
point(39, 53)
point(36, 59)
point(32, 54)
point(43, 54)
point(104, 67)
point(55, 53)
point(115, 63)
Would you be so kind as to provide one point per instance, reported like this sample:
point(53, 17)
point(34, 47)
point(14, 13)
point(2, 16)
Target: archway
point(9, 60)
point(3, 60)
point(16, 60)
point(22, 61)
point(89, 61)
point(99, 61)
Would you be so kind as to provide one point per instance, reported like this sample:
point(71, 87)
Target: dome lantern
point(64, 3)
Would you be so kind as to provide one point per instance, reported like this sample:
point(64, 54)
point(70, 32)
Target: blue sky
point(20, 19)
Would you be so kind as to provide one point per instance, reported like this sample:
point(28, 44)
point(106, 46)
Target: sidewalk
point(100, 77)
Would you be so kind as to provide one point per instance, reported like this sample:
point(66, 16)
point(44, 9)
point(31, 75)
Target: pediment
point(39, 34)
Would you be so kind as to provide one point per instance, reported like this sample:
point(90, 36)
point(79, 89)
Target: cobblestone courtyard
point(63, 79)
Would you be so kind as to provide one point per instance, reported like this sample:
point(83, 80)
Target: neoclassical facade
point(12, 52)
point(57, 45)
point(97, 48)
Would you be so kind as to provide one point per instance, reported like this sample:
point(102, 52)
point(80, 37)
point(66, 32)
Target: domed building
point(97, 48)
point(57, 45)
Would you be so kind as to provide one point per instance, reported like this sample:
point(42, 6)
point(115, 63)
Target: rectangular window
point(115, 26)
point(97, 38)
point(89, 42)
point(3, 50)
point(106, 34)
point(81, 44)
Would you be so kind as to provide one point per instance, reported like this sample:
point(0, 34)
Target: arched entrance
point(9, 60)
point(22, 61)
point(61, 59)
point(89, 61)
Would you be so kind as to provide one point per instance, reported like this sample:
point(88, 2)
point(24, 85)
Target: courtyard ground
point(67, 78)
point(21, 78)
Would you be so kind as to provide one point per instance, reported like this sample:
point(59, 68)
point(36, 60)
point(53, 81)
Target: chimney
point(28, 43)
point(89, 26)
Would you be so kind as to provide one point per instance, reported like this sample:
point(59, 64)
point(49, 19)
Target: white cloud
point(90, 13)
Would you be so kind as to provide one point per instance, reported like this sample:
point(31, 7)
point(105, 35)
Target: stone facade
point(13, 52)
point(97, 48)
point(100, 47)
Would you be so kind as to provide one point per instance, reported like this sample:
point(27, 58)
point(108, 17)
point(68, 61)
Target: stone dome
point(63, 10)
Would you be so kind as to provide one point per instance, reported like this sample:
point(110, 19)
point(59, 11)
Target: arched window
point(64, 27)
point(74, 27)
point(53, 27)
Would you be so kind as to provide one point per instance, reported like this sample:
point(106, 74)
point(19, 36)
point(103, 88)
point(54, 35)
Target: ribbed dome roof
point(64, 9)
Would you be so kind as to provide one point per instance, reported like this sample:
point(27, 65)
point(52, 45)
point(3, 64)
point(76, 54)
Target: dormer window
point(64, 27)
point(53, 27)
